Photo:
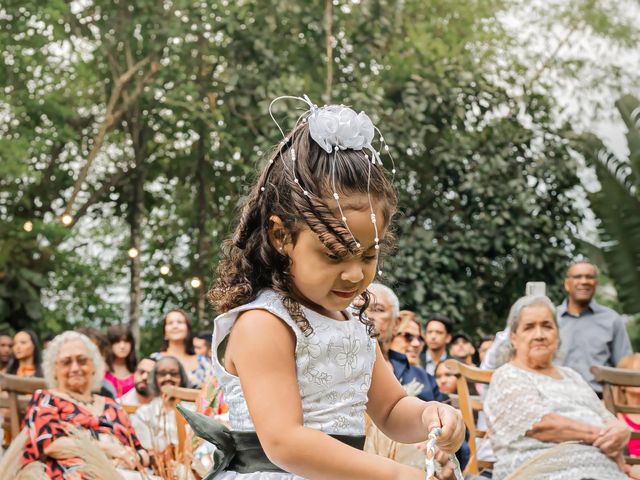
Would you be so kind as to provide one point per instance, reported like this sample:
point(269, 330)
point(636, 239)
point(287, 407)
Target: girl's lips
point(344, 294)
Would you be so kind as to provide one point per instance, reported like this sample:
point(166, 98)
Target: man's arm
point(621, 346)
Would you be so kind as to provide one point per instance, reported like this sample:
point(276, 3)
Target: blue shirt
point(406, 373)
point(595, 337)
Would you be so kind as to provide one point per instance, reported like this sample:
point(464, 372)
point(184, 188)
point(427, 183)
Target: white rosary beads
point(430, 455)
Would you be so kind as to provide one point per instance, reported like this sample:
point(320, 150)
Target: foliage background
point(488, 173)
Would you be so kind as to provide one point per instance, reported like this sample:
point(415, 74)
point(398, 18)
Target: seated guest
point(461, 347)
point(6, 344)
point(27, 357)
point(437, 336)
point(404, 351)
point(101, 342)
point(121, 358)
point(202, 344)
point(484, 346)
point(630, 396)
point(536, 410)
point(155, 422)
point(72, 368)
point(383, 309)
point(446, 380)
point(140, 394)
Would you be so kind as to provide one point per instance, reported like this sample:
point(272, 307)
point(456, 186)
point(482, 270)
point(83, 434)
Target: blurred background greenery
point(130, 131)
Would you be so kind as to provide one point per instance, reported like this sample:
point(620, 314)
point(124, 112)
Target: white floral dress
point(333, 367)
point(517, 399)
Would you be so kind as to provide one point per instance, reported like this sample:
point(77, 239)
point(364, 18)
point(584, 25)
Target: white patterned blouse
point(517, 399)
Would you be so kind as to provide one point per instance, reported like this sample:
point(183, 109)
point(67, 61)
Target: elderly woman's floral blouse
point(50, 417)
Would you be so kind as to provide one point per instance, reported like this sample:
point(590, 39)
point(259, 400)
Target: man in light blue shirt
point(591, 334)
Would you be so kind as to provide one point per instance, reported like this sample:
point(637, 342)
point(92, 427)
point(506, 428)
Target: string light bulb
point(28, 226)
point(196, 282)
point(164, 270)
point(133, 252)
point(66, 219)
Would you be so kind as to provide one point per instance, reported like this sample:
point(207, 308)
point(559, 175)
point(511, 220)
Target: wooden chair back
point(181, 394)
point(130, 409)
point(617, 378)
point(18, 391)
point(469, 405)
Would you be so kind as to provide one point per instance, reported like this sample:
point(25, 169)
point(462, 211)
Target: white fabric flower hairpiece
point(338, 126)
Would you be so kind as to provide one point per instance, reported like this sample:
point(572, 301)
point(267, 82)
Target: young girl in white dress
point(299, 365)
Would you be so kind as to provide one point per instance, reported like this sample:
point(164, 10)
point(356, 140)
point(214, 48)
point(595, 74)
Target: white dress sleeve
point(510, 386)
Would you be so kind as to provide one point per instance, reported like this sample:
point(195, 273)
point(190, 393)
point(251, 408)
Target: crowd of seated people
point(542, 411)
point(545, 420)
point(97, 389)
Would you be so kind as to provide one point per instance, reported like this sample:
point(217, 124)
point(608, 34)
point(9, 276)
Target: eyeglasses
point(409, 337)
point(580, 277)
point(167, 373)
point(81, 360)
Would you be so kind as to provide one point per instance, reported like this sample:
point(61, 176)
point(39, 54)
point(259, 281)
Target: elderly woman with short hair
point(73, 368)
point(546, 421)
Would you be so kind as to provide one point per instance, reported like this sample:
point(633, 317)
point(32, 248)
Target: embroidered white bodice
point(333, 367)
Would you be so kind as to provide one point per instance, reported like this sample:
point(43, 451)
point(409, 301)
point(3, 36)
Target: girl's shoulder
point(267, 305)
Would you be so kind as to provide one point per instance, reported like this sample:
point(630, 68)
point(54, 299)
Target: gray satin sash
point(241, 451)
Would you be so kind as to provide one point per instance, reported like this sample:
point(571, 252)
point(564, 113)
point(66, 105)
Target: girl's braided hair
point(250, 263)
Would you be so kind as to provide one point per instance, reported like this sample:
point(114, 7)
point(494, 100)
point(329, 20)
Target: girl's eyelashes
point(370, 256)
point(332, 257)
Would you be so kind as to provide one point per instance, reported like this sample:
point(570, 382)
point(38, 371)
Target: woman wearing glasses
point(66, 420)
point(404, 356)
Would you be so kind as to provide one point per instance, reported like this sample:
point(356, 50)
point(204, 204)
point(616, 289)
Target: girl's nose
point(353, 273)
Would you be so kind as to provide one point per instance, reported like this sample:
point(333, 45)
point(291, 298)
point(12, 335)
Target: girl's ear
point(278, 233)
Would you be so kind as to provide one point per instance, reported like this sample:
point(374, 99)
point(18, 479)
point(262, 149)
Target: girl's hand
point(446, 471)
point(613, 438)
point(439, 415)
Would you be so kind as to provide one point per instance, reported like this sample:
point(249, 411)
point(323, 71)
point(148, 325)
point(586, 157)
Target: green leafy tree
point(617, 205)
point(159, 156)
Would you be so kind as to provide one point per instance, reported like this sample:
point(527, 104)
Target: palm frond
point(617, 206)
point(629, 107)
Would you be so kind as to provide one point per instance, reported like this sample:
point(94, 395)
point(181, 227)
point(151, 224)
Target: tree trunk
point(202, 247)
point(136, 211)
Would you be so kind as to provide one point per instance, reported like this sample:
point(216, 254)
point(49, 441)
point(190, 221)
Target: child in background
point(630, 396)
point(121, 358)
point(446, 380)
point(299, 366)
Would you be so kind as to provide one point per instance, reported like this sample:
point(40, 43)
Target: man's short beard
point(143, 391)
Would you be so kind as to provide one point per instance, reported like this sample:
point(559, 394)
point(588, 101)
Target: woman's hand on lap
point(613, 438)
point(439, 415)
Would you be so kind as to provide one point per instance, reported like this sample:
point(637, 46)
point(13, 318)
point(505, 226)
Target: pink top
point(122, 385)
point(634, 443)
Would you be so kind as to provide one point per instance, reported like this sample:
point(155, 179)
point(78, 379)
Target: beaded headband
point(336, 128)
